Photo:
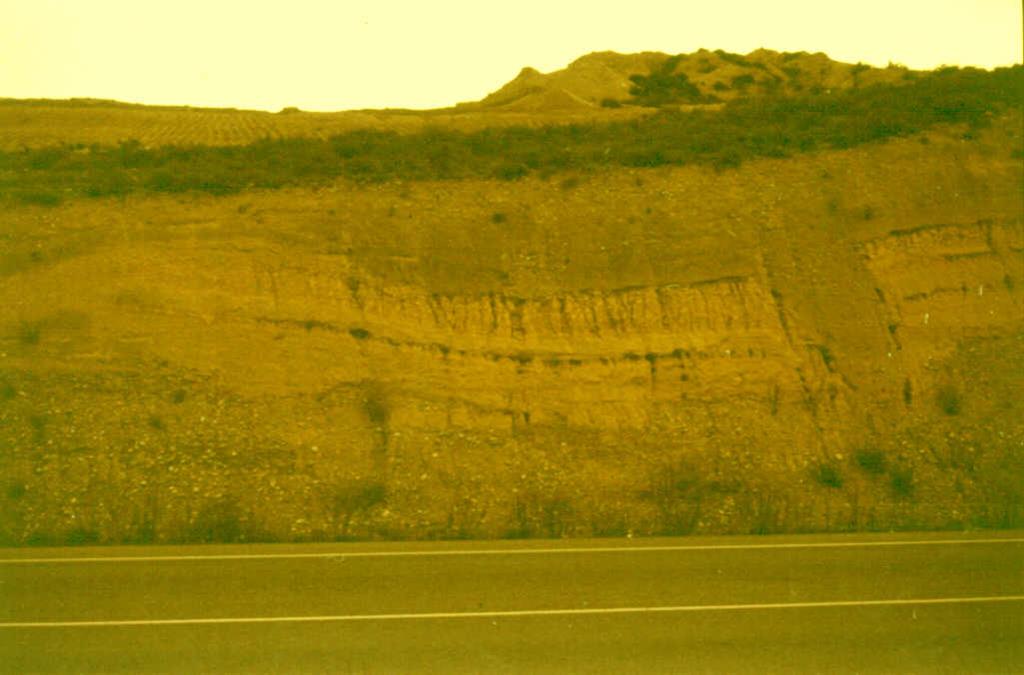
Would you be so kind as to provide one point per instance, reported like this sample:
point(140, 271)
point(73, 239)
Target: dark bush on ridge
point(662, 86)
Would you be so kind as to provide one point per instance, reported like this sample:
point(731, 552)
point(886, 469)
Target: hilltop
point(609, 79)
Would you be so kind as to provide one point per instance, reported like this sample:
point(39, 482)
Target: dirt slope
point(833, 341)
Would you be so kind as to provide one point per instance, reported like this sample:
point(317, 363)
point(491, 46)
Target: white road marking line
point(513, 613)
point(511, 551)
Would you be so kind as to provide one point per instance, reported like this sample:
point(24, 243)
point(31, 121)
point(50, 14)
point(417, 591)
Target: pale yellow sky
point(321, 55)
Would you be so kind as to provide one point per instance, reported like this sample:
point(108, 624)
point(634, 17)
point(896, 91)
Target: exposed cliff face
point(830, 342)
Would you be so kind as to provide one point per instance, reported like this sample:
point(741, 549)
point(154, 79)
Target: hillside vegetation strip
point(743, 129)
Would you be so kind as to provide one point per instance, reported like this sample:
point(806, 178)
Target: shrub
point(161, 181)
point(826, 355)
point(217, 522)
point(658, 89)
point(81, 536)
point(310, 324)
point(522, 358)
point(828, 475)
point(347, 500)
point(902, 482)
point(375, 406)
point(742, 81)
point(948, 399)
point(38, 538)
point(663, 85)
point(29, 333)
point(611, 103)
point(609, 526)
point(871, 461)
point(360, 496)
point(735, 59)
point(38, 424)
point(511, 171)
point(498, 217)
point(16, 490)
point(142, 529)
point(359, 333)
point(540, 515)
point(726, 160)
point(677, 490)
point(40, 198)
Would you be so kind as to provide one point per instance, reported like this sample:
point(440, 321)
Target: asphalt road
point(935, 602)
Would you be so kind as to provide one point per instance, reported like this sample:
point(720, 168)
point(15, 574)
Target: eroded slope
point(828, 342)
